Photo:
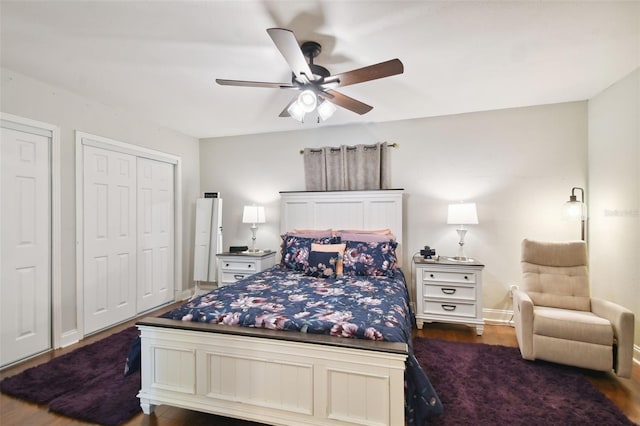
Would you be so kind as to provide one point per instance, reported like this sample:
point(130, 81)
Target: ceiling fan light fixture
point(313, 80)
point(307, 100)
point(296, 111)
point(326, 110)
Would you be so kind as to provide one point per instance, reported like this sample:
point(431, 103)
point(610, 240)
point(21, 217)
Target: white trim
point(498, 316)
point(69, 338)
point(32, 127)
point(125, 148)
point(636, 355)
point(56, 239)
point(53, 132)
point(88, 139)
point(186, 294)
point(79, 241)
point(177, 228)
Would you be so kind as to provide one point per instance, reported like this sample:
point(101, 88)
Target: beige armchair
point(556, 319)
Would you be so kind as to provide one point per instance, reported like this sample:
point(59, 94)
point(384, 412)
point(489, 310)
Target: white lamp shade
point(326, 110)
point(307, 100)
point(462, 214)
point(574, 210)
point(253, 214)
point(295, 111)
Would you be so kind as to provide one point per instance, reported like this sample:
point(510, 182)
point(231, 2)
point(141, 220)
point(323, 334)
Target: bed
point(278, 347)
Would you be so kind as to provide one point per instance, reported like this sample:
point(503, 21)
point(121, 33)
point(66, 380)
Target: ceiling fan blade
point(285, 111)
point(372, 72)
point(347, 102)
point(289, 47)
point(223, 82)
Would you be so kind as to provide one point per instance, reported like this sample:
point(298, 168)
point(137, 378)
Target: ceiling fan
point(315, 83)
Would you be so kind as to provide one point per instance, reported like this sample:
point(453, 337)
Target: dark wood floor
point(625, 393)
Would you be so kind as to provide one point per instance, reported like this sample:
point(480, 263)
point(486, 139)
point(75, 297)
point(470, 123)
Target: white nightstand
point(449, 291)
point(236, 266)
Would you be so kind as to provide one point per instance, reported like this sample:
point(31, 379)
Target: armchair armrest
point(523, 321)
point(622, 320)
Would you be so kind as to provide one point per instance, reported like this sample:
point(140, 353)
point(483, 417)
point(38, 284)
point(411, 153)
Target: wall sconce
point(576, 210)
point(462, 214)
point(253, 215)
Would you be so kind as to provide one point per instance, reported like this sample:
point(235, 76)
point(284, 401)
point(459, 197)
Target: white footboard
point(264, 376)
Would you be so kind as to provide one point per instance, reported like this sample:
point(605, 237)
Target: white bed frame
point(280, 377)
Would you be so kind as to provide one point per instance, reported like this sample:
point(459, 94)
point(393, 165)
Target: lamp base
point(253, 251)
point(461, 259)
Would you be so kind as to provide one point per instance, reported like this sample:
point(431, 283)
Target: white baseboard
point(202, 288)
point(69, 338)
point(498, 316)
point(184, 294)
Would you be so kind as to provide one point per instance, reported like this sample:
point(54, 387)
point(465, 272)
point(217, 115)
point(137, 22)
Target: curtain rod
point(391, 145)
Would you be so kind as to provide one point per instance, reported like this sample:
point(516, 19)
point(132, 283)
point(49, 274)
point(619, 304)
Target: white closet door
point(109, 205)
point(155, 233)
point(25, 251)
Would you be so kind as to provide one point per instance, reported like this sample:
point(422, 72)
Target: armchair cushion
point(556, 274)
point(564, 288)
point(574, 325)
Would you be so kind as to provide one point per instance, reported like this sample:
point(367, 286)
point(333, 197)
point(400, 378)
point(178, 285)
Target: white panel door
point(109, 264)
point(155, 234)
point(25, 251)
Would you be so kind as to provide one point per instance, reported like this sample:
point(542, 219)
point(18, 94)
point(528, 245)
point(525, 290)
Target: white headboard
point(342, 210)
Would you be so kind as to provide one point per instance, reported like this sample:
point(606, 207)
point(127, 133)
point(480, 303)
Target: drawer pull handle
point(466, 277)
point(448, 290)
point(249, 266)
point(238, 277)
point(431, 276)
point(449, 307)
point(226, 265)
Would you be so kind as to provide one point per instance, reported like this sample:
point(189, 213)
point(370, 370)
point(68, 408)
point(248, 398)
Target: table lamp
point(462, 214)
point(253, 215)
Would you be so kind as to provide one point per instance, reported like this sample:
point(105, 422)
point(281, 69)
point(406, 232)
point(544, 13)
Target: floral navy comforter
point(374, 308)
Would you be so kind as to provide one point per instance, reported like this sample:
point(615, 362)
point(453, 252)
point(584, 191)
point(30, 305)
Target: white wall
point(32, 99)
point(518, 165)
point(614, 194)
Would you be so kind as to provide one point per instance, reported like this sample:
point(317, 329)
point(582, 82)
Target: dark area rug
point(86, 384)
point(478, 385)
point(492, 385)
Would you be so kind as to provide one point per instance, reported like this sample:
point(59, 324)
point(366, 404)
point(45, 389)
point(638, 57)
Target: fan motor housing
point(312, 49)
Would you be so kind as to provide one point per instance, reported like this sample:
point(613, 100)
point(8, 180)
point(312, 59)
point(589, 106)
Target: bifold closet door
point(155, 233)
point(25, 226)
point(109, 264)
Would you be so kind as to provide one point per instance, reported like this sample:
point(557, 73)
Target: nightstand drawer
point(443, 291)
point(231, 277)
point(448, 277)
point(246, 265)
point(449, 309)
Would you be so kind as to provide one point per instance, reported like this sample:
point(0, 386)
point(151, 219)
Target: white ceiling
point(158, 59)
